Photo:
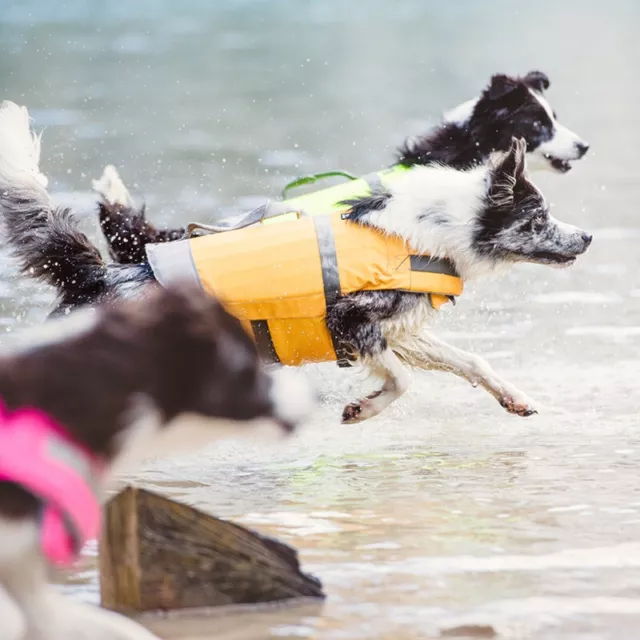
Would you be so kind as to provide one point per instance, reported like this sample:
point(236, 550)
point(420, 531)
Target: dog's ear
point(506, 169)
point(537, 80)
point(501, 85)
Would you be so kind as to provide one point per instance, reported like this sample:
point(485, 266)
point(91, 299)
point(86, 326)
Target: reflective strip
point(328, 259)
point(172, 262)
point(330, 279)
point(264, 342)
point(72, 457)
point(426, 264)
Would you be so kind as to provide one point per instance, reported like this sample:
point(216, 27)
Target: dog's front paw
point(518, 404)
point(352, 413)
point(359, 411)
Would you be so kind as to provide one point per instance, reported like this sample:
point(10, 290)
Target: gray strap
point(328, 259)
point(330, 279)
point(264, 342)
point(230, 224)
point(263, 212)
point(72, 457)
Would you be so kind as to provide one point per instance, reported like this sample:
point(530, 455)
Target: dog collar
point(40, 456)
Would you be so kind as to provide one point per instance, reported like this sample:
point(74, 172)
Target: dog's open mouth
point(558, 164)
point(554, 259)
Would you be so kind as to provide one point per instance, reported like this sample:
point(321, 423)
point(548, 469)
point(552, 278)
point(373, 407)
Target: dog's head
point(515, 225)
point(517, 107)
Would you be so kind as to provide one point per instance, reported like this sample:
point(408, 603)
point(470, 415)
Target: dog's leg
point(356, 320)
point(395, 382)
point(126, 228)
point(429, 353)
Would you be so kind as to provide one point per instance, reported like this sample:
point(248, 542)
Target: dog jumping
point(433, 221)
point(508, 107)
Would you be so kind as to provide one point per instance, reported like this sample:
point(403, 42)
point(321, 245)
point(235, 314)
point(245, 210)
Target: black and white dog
point(126, 381)
point(483, 220)
point(508, 107)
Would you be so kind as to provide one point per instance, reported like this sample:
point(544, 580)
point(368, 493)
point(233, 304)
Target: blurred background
point(445, 511)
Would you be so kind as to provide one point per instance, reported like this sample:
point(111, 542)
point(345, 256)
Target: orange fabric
point(273, 273)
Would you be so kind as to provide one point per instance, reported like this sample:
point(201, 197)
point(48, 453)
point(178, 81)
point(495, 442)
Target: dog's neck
point(434, 209)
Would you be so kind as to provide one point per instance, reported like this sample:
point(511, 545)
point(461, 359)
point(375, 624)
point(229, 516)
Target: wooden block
point(157, 554)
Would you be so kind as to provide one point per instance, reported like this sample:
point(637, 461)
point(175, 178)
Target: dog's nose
point(582, 148)
point(586, 238)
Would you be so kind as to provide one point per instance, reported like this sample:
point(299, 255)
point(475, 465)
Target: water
point(445, 512)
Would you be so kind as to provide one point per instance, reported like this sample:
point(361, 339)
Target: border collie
point(125, 381)
point(483, 220)
point(508, 107)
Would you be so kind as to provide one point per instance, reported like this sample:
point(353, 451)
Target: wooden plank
point(157, 554)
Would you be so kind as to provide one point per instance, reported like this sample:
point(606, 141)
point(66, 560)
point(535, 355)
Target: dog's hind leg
point(429, 353)
point(124, 226)
point(395, 382)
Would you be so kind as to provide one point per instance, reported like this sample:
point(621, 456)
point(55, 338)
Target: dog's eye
point(537, 125)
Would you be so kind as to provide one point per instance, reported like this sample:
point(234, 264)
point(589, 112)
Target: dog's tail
point(44, 238)
point(125, 227)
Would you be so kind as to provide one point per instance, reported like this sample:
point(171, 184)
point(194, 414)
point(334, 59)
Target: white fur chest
point(400, 329)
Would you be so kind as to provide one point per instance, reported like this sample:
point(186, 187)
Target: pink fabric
point(38, 454)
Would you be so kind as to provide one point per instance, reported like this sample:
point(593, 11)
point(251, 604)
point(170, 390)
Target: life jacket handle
point(257, 215)
point(315, 177)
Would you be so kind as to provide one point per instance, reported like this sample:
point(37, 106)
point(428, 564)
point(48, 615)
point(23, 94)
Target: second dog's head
point(517, 107)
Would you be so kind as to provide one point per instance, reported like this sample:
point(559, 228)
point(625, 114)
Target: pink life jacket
point(38, 454)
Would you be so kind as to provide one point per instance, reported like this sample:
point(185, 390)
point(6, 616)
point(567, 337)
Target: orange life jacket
point(280, 279)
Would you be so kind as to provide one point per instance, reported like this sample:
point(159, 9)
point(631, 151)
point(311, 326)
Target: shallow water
point(444, 512)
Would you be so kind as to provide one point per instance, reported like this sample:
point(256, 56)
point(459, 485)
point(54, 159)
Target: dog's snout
point(582, 148)
point(586, 239)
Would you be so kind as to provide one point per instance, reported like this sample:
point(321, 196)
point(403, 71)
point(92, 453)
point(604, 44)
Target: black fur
point(505, 109)
point(360, 207)
point(49, 247)
point(515, 223)
point(127, 231)
point(356, 318)
point(537, 80)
